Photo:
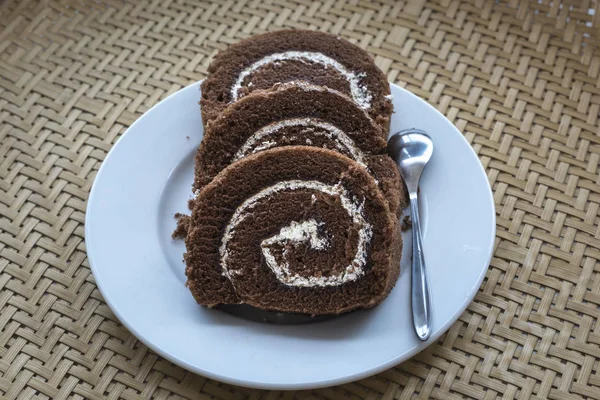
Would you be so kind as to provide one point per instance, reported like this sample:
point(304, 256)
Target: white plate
point(147, 177)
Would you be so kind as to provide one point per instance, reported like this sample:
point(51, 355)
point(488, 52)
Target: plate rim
point(288, 386)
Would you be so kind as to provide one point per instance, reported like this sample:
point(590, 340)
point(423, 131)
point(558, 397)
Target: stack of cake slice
point(297, 204)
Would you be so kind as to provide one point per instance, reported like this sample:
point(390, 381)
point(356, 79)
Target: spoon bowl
point(411, 149)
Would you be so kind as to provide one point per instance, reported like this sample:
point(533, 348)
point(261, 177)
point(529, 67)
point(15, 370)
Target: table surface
point(521, 80)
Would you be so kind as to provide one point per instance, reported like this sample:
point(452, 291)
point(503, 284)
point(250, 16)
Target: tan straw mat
point(520, 79)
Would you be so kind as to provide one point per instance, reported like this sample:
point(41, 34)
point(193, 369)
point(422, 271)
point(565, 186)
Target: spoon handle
point(421, 302)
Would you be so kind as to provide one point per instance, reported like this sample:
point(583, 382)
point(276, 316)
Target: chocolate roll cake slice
point(293, 229)
point(261, 61)
point(294, 113)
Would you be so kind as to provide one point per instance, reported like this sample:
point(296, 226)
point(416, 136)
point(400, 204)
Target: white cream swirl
point(264, 138)
point(301, 231)
point(360, 94)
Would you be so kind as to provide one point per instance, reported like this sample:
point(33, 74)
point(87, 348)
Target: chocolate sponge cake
point(261, 61)
point(297, 204)
point(293, 113)
point(293, 229)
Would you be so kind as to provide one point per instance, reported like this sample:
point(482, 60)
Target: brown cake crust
point(254, 282)
point(303, 108)
point(228, 64)
point(385, 171)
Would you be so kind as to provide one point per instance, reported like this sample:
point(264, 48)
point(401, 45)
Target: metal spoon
point(412, 149)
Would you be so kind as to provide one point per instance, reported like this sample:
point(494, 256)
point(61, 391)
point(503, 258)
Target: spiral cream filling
point(301, 232)
point(263, 139)
point(360, 94)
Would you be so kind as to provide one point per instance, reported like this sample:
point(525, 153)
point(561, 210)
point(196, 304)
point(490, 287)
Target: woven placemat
point(521, 80)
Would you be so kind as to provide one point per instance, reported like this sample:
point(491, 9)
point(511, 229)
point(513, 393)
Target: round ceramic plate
point(147, 177)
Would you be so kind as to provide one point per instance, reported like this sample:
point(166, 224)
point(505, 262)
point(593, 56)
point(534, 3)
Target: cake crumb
point(406, 223)
point(183, 223)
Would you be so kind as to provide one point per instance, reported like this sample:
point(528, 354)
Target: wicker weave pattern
point(521, 80)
